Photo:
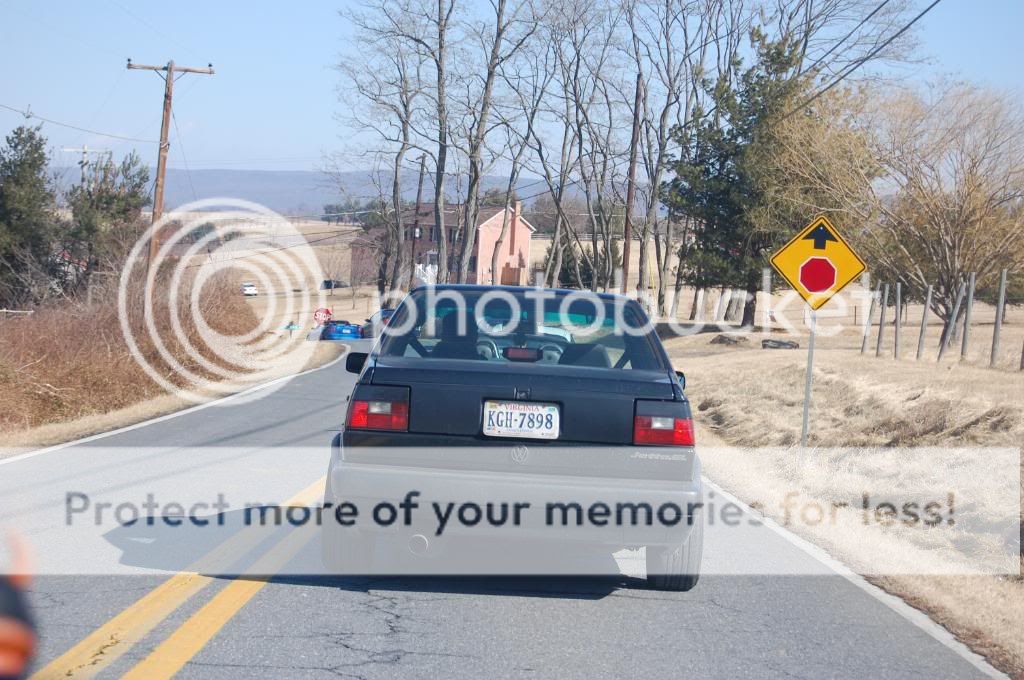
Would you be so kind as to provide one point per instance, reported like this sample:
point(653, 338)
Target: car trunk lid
point(596, 405)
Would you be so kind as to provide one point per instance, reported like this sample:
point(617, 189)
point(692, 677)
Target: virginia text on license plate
point(521, 419)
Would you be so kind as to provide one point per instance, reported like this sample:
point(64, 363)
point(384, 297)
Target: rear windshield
point(534, 327)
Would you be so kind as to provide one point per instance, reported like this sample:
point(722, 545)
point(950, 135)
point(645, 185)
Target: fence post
point(881, 319)
point(947, 332)
point(898, 321)
point(999, 319)
point(967, 316)
point(867, 322)
point(924, 322)
point(766, 298)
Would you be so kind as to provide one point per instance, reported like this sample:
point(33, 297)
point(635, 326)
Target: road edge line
point(895, 603)
point(169, 416)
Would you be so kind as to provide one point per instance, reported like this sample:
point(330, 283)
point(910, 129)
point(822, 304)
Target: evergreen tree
point(27, 221)
point(105, 214)
point(718, 179)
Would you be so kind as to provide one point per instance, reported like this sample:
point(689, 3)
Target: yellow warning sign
point(818, 262)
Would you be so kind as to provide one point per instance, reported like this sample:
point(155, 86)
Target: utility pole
point(627, 229)
point(85, 151)
point(161, 163)
point(416, 222)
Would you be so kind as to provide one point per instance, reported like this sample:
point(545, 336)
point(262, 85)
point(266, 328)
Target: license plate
point(526, 419)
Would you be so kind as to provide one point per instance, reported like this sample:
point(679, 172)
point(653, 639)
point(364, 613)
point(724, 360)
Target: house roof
point(452, 213)
point(426, 221)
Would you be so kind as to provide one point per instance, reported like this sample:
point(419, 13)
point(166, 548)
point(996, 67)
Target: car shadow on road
point(393, 571)
point(555, 586)
point(222, 545)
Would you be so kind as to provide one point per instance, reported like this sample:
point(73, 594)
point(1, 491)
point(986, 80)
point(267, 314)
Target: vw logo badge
point(520, 453)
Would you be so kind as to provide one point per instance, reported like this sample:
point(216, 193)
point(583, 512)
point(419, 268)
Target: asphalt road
point(105, 602)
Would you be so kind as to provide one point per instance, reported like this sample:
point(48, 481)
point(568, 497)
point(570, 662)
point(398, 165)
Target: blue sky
point(273, 102)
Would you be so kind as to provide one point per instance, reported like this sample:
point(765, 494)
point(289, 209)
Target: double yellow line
point(109, 642)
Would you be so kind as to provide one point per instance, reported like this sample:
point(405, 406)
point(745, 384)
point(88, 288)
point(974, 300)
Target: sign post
point(807, 381)
point(817, 263)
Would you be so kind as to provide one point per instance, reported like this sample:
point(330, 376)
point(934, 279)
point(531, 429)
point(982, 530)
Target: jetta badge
point(520, 453)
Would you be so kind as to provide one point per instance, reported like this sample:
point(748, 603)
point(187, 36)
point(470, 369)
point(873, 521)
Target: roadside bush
point(69, 359)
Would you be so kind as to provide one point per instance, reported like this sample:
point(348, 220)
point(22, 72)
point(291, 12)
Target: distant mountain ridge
point(292, 192)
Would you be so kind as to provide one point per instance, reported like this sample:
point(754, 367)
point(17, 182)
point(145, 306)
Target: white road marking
point(168, 416)
point(910, 614)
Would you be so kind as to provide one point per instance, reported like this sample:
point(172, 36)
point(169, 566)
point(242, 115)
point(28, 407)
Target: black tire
point(677, 567)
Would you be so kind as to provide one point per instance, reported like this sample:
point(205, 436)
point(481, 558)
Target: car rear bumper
point(561, 508)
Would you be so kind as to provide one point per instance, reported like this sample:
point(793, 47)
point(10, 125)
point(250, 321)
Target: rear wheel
point(677, 567)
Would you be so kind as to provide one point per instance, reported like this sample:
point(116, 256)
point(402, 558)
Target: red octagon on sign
point(817, 275)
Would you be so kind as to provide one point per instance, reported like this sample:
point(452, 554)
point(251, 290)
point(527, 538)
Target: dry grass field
point(745, 396)
point(67, 372)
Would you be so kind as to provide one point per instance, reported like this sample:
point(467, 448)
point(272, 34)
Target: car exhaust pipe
point(419, 545)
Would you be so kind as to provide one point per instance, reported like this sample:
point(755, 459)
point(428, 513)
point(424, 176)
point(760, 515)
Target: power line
point(28, 114)
point(860, 62)
point(184, 158)
point(846, 37)
point(149, 25)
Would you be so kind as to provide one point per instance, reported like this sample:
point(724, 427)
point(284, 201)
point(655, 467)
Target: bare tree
point(669, 43)
point(422, 28)
point(437, 49)
point(387, 79)
point(528, 82)
point(511, 29)
point(931, 185)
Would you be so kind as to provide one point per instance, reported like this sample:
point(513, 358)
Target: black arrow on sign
point(820, 235)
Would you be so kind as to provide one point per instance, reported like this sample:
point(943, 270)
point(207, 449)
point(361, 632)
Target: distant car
point(375, 324)
point(331, 284)
point(341, 330)
point(250, 290)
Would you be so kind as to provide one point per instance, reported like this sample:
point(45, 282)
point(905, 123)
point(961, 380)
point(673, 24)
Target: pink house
point(513, 259)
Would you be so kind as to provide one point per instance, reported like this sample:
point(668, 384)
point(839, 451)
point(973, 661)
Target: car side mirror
point(682, 379)
point(355, 361)
point(367, 321)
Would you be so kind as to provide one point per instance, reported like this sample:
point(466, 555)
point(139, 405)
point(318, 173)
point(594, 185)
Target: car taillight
point(379, 415)
point(662, 431)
